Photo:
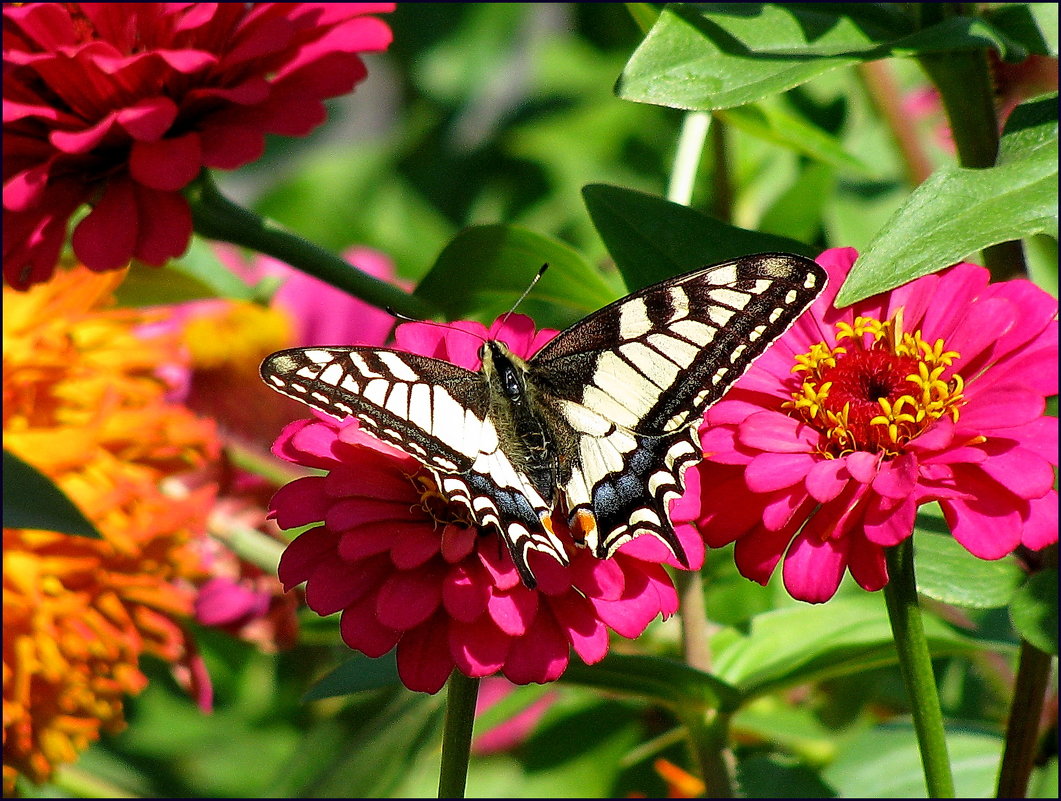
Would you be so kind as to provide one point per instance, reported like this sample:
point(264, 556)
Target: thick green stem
point(691, 140)
point(709, 748)
point(461, 693)
point(1025, 714)
point(963, 80)
point(216, 217)
point(915, 664)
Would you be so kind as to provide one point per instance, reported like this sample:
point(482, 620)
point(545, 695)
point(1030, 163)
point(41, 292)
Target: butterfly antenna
point(527, 291)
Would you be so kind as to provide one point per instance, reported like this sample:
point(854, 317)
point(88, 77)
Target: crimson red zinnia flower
point(934, 391)
point(407, 569)
point(121, 105)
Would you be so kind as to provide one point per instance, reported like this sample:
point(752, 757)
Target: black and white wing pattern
point(600, 424)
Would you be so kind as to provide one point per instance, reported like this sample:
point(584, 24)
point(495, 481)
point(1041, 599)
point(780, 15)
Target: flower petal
point(362, 631)
point(540, 656)
point(773, 471)
point(897, 478)
point(409, 597)
point(465, 591)
point(1040, 522)
point(826, 479)
point(513, 610)
point(813, 567)
point(478, 647)
point(424, 661)
point(586, 632)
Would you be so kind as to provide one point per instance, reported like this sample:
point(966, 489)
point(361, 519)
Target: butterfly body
point(600, 424)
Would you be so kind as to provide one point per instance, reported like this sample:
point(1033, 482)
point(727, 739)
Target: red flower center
point(860, 380)
point(877, 388)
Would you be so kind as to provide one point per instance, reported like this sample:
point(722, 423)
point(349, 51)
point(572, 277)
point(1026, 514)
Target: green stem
point(708, 744)
point(691, 140)
point(963, 80)
point(915, 664)
point(1025, 714)
point(461, 693)
point(216, 217)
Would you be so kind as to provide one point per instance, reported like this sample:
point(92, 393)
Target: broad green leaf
point(775, 776)
point(1034, 25)
point(652, 239)
point(32, 500)
point(953, 214)
point(196, 275)
point(485, 269)
point(356, 675)
point(724, 55)
point(1030, 129)
point(884, 762)
point(808, 643)
point(1034, 611)
point(949, 573)
point(775, 125)
point(663, 680)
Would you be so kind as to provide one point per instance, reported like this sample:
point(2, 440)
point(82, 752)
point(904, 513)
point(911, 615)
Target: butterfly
point(600, 424)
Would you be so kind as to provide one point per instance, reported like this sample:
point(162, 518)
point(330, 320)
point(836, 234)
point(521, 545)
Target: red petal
point(106, 238)
point(539, 656)
point(478, 648)
point(168, 164)
point(361, 630)
point(424, 661)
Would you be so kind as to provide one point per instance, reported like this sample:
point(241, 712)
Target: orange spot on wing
point(585, 521)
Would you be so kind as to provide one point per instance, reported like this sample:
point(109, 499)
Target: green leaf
point(1034, 25)
point(663, 680)
point(696, 61)
point(485, 269)
point(356, 675)
point(947, 572)
point(780, 127)
point(807, 643)
point(196, 275)
point(730, 54)
point(32, 500)
point(1030, 129)
point(884, 762)
point(953, 214)
point(652, 239)
point(1034, 611)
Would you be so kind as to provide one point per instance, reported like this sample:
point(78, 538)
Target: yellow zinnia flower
point(85, 403)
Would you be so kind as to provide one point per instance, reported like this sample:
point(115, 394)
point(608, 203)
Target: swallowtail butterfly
point(601, 423)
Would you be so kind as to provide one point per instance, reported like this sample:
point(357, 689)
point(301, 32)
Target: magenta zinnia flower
point(934, 391)
point(121, 105)
point(406, 568)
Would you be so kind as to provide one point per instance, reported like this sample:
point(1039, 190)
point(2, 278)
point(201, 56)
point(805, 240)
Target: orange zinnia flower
point(85, 404)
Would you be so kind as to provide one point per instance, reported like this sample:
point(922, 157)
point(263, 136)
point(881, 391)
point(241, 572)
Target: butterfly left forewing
point(648, 366)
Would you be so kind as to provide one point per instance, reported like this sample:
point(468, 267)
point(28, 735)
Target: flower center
point(877, 388)
point(440, 508)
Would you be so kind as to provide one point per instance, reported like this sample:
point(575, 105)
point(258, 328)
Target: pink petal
point(106, 238)
point(729, 508)
point(424, 661)
point(513, 610)
point(886, 526)
point(1021, 471)
point(826, 479)
point(630, 615)
point(779, 433)
point(414, 546)
point(361, 630)
point(165, 226)
point(989, 524)
point(758, 552)
point(720, 446)
point(300, 502)
point(773, 471)
point(335, 585)
point(897, 478)
point(148, 118)
point(409, 597)
point(867, 564)
point(352, 512)
point(784, 507)
point(586, 632)
point(938, 436)
point(478, 648)
point(1040, 522)
point(168, 164)
point(465, 591)
point(597, 578)
point(861, 465)
point(1003, 407)
point(958, 287)
point(302, 556)
point(813, 568)
point(458, 542)
point(539, 656)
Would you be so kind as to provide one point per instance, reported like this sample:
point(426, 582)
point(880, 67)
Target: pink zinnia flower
point(934, 391)
point(406, 569)
point(121, 105)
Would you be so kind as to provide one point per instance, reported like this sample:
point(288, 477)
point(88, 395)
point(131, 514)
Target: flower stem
point(1025, 713)
point(691, 140)
point(217, 217)
point(461, 693)
point(963, 79)
point(915, 664)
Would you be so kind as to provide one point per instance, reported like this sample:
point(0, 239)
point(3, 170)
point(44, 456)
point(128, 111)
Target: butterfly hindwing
point(648, 366)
